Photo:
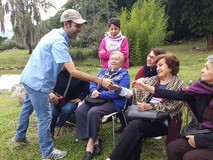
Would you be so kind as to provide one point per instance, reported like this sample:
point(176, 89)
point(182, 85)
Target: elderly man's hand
point(114, 87)
point(95, 94)
point(107, 83)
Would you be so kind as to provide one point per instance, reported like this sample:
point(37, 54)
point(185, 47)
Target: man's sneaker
point(21, 140)
point(55, 154)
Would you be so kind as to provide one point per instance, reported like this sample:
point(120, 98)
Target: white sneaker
point(55, 154)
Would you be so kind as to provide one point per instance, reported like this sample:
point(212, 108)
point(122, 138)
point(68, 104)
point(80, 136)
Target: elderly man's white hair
point(120, 54)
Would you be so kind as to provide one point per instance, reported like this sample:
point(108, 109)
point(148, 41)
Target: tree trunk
point(29, 44)
point(209, 40)
point(29, 40)
point(30, 50)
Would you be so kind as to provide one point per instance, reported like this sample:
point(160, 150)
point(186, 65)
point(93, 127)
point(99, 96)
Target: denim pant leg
point(26, 111)
point(40, 102)
point(55, 114)
point(66, 112)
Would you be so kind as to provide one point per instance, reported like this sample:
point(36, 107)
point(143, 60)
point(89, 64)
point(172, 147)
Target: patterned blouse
point(173, 107)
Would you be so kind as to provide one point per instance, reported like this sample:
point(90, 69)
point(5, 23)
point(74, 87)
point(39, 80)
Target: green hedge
point(8, 45)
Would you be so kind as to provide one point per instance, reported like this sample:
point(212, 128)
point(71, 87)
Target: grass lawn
point(192, 61)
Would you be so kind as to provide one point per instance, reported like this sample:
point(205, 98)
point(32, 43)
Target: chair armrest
point(110, 115)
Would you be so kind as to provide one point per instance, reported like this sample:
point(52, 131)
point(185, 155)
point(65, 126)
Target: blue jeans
point(63, 114)
point(38, 101)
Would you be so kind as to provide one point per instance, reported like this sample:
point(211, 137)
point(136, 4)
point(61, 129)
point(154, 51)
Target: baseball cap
point(73, 15)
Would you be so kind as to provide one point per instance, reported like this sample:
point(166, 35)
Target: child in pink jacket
point(113, 41)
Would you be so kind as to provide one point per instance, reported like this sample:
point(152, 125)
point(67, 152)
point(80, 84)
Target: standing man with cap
point(39, 78)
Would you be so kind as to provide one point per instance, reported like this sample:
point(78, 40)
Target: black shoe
point(98, 147)
point(119, 130)
point(88, 155)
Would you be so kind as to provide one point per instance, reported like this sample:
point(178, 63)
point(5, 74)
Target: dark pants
point(129, 146)
point(120, 115)
point(122, 121)
point(88, 119)
point(181, 150)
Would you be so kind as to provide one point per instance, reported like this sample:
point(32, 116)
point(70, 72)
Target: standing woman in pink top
point(113, 41)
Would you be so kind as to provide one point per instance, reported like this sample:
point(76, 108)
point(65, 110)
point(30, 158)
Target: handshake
point(107, 83)
point(139, 84)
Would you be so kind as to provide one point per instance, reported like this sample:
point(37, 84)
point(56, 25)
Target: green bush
point(86, 52)
point(2, 39)
point(93, 53)
point(78, 55)
point(145, 27)
point(8, 45)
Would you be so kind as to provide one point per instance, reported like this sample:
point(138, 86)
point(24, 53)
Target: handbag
point(193, 128)
point(152, 115)
point(94, 101)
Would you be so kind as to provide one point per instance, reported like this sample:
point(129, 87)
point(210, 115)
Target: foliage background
point(145, 26)
point(146, 23)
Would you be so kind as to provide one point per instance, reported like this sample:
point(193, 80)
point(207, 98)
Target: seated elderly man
point(88, 117)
